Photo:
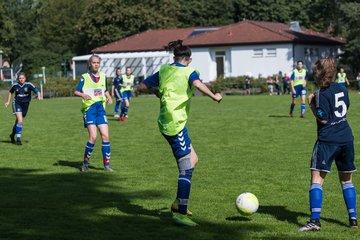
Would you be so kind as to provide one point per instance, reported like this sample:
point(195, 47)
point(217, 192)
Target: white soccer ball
point(247, 203)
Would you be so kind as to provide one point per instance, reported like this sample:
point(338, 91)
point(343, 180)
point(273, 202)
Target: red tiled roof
point(254, 32)
point(241, 33)
point(150, 40)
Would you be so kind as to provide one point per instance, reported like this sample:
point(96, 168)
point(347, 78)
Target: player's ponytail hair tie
point(180, 50)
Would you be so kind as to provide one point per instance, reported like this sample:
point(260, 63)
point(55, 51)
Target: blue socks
point(183, 192)
point(116, 109)
point(315, 196)
point(18, 131)
point(350, 199)
point(105, 148)
point(303, 107)
point(292, 108)
point(88, 151)
point(316, 200)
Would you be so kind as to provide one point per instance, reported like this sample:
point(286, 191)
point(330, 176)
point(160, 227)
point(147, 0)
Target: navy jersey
point(332, 104)
point(23, 92)
point(116, 82)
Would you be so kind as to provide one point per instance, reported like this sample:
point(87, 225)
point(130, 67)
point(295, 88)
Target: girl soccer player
point(22, 91)
point(127, 85)
point(93, 90)
point(335, 141)
point(298, 82)
point(115, 92)
point(175, 83)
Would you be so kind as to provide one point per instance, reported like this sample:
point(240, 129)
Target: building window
point(271, 52)
point(258, 52)
point(220, 63)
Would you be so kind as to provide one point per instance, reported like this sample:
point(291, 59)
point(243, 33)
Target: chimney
point(295, 26)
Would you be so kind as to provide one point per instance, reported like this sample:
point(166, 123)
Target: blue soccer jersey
point(332, 104)
point(23, 92)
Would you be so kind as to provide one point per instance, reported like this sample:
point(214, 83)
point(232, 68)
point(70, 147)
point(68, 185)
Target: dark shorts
point(324, 154)
point(20, 107)
point(300, 90)
point(342, 84)
point(180, 143)
point(95, 115)
point(117, 94)
point(126, 95)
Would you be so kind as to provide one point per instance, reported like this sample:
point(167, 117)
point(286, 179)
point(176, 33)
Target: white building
point(247, 47)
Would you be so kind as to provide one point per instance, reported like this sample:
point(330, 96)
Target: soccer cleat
point(116, 115)
point(291, 115)
point(353, 223)
point(313, 225)
point(302, 116)
point(108, 169)
point(175, 208)
point(125, 119)
point(18, 142)
point(120, 119)
point(183, 220)
point(84, 168)
point(12, 138)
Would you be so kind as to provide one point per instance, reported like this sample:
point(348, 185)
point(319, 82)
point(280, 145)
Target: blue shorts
point(324, 154)
point(20, 107)
point(300, 90)
point(95, 115)
point(180, 143)
point(126, 95)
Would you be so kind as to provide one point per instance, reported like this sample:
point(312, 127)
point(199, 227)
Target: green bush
point(57, 87)
point(237, 83)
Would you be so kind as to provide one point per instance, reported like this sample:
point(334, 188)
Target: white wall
point(309, 54)
point(201, 60)
point(243, 60)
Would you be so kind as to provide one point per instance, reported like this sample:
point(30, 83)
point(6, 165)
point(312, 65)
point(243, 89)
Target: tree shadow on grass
point(279, 116)
point(76, 165)
point(37, 205)
point(281, 213)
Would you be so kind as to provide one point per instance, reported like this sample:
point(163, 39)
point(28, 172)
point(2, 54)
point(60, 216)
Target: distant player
point(127, 85)
point(298, 87)
point(22, 91)
point(176, 83)
point(115, 92)
point(334, 142)
point(93, 90)
point(341, 78)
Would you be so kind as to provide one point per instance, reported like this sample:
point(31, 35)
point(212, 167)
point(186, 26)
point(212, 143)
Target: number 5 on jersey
point(340, 103)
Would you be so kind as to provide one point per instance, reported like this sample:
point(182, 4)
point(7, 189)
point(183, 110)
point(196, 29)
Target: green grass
point(244, 144)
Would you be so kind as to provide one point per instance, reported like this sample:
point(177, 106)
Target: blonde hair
point(325, 72)
point(92, 57)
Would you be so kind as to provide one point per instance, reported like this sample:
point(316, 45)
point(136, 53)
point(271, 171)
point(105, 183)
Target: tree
point(205, 13)
point(7, 32)
point(350, 20)
point(108, 20)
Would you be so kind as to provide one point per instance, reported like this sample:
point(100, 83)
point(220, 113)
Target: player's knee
point(194, 159)
point(105, 137)
point(127, 103)
point(19, 121)
point(92, 139)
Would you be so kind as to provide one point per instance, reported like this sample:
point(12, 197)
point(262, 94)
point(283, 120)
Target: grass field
point(244, 144)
